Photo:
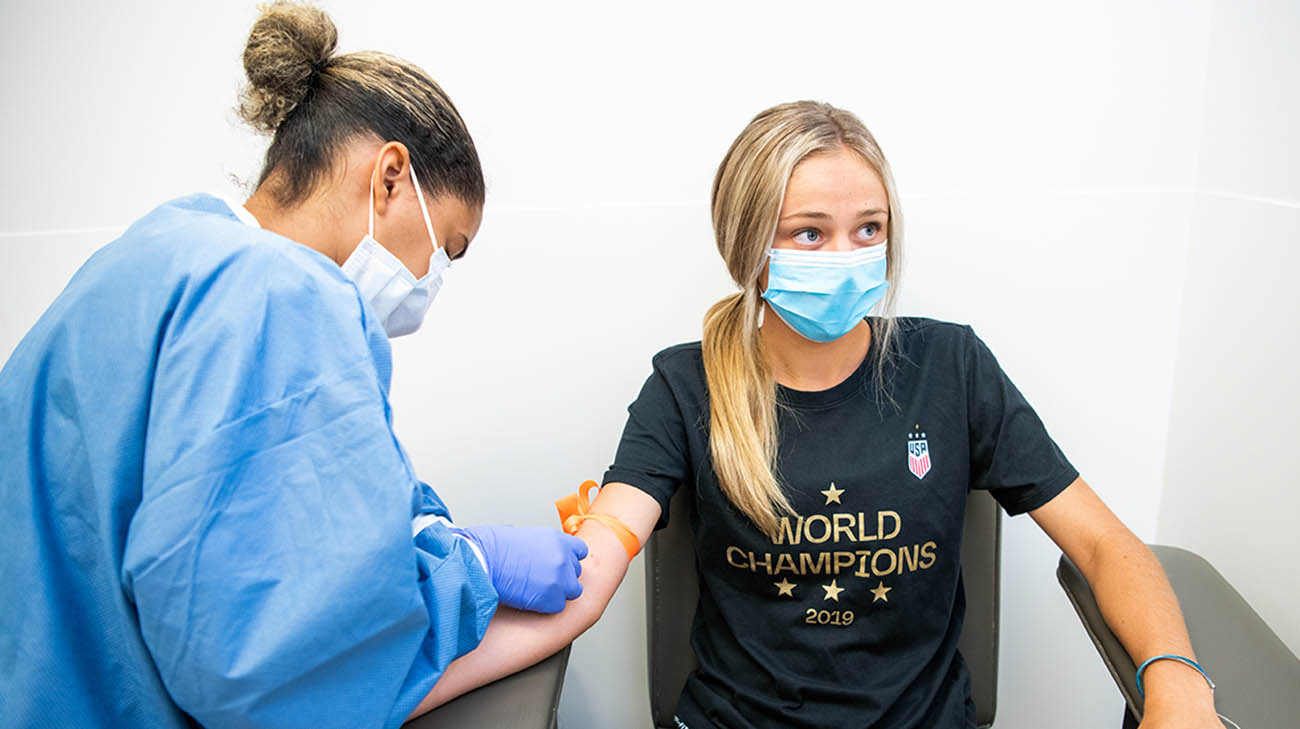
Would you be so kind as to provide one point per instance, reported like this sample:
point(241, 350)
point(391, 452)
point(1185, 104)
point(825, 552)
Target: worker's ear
point(390, 174)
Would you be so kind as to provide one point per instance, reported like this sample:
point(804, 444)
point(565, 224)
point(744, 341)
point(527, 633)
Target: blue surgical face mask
point(822, 295)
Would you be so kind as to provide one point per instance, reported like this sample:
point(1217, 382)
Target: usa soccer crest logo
point(918, 453)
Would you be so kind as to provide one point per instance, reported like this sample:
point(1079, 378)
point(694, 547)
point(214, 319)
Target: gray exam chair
point(525, 700)
point(1257, 676)
point(671, 583)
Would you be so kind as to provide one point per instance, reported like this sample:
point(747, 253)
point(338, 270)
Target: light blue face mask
point(822, 295)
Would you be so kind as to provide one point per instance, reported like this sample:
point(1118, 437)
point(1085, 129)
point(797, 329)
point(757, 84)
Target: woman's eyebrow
point(807, 214)
point(826, 216)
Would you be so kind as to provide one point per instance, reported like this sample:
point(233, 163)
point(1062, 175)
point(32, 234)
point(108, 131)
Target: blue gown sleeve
point(271, 560)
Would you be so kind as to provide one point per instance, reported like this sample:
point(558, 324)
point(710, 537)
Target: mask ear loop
point(424, 209)
point(371, 231)
point(767, 263)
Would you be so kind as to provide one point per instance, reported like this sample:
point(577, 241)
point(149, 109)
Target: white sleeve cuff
point(424, 521)
point(481, 560)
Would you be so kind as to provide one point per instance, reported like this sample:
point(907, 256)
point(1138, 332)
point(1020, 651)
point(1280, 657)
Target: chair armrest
point(525, 700)
point(1256, 674)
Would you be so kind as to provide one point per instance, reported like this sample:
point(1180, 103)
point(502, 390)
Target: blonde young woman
point(829, 455)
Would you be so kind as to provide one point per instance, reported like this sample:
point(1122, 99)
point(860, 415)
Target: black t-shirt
point(851, 617)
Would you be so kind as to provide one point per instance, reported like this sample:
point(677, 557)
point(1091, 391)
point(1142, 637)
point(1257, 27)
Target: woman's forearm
point(516, 639)
point(1140, 607)
point(1137, 602)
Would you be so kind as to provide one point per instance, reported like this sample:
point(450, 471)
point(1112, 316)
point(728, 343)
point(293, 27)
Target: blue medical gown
point(203, 510)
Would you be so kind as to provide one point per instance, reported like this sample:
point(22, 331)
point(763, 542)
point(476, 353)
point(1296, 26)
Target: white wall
point(1231, 492)
point(1046, 158)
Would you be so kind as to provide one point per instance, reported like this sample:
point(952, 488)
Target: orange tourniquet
point(573, 511)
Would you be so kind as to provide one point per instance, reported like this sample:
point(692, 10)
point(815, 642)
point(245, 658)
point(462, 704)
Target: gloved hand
point(532, 568)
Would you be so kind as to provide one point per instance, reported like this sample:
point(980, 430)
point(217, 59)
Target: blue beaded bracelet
point(1171, 657)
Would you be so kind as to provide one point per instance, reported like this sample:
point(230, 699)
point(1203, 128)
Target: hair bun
point(287, 47)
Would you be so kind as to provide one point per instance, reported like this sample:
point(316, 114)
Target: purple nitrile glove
point(532, 568)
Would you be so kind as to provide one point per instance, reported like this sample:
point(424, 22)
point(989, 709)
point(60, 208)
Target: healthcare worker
point(206, 515)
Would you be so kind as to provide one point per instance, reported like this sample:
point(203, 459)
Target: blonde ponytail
point(742, 406)
point(747, 195)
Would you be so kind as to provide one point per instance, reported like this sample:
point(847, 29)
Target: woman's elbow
point(602, 573)
point(586, 614)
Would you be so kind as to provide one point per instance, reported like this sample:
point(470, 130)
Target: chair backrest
point(672, 591)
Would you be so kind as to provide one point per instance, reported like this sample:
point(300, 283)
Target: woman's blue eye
point(807, 237)
point(869, 230)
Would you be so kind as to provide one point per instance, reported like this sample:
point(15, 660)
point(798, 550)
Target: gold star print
point(784, 587)
point(833, 494)
point(880, 592)
point(832, 591)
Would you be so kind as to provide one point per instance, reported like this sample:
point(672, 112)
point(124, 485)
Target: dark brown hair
point(312, 102)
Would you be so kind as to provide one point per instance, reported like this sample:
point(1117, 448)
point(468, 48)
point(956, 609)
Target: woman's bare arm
point(1135, 599)
point(517, 639)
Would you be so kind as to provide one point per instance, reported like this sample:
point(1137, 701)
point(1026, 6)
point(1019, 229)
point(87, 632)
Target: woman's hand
point(532, 568)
